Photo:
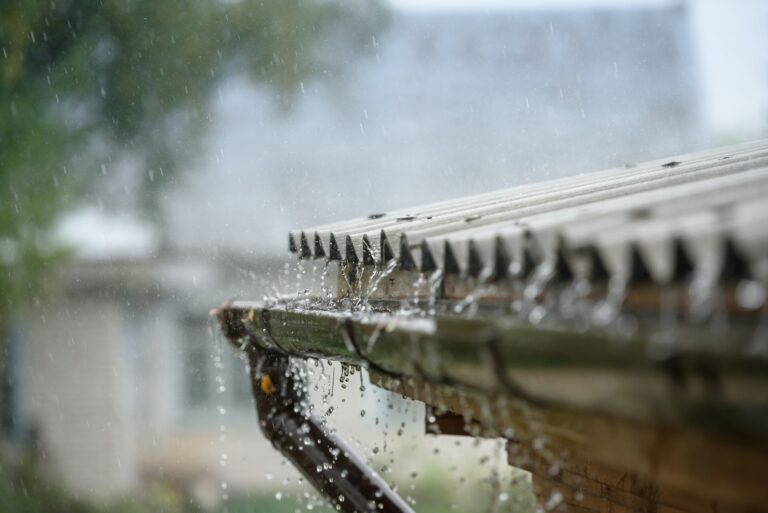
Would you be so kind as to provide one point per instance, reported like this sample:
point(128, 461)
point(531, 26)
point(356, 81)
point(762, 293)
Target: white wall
point(73, 388)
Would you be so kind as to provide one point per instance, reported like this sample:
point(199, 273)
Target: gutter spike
point(386, 249)
point(639, 272)
point(369, 259)
point(451, 265)
point(428, 263)
point(351, 253)
point(683, 264)
point(333, 249)
point(407, 262)
point(319, 250)
point(735, 266)
point(563, 271)
point(306, 252)
point(598, 272)
point(475, 264)
point(501, 260)
point(528, 264)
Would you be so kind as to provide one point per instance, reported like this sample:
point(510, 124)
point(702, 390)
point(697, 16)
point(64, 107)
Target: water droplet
point(537, 314)
point(554, 501)
point(750, 294)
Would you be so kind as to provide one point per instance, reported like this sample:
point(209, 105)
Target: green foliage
point(86, 83)
point(436, 494)
point(24, 490)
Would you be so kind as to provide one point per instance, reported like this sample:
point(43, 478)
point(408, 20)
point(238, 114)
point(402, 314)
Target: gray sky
point(730, 40)
point(516, 4)
point(267, 179)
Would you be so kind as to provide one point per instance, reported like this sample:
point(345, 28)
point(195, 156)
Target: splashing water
point(434, 283)
point(471, 303)
point(378, 276)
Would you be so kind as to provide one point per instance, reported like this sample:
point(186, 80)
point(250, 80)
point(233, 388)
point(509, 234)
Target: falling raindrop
point(750, 294)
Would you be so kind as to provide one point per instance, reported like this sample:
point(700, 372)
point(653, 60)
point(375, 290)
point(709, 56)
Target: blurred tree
point(86, 83)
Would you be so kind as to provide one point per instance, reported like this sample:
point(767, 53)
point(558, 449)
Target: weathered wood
point(598, 487)
point(622, 462)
